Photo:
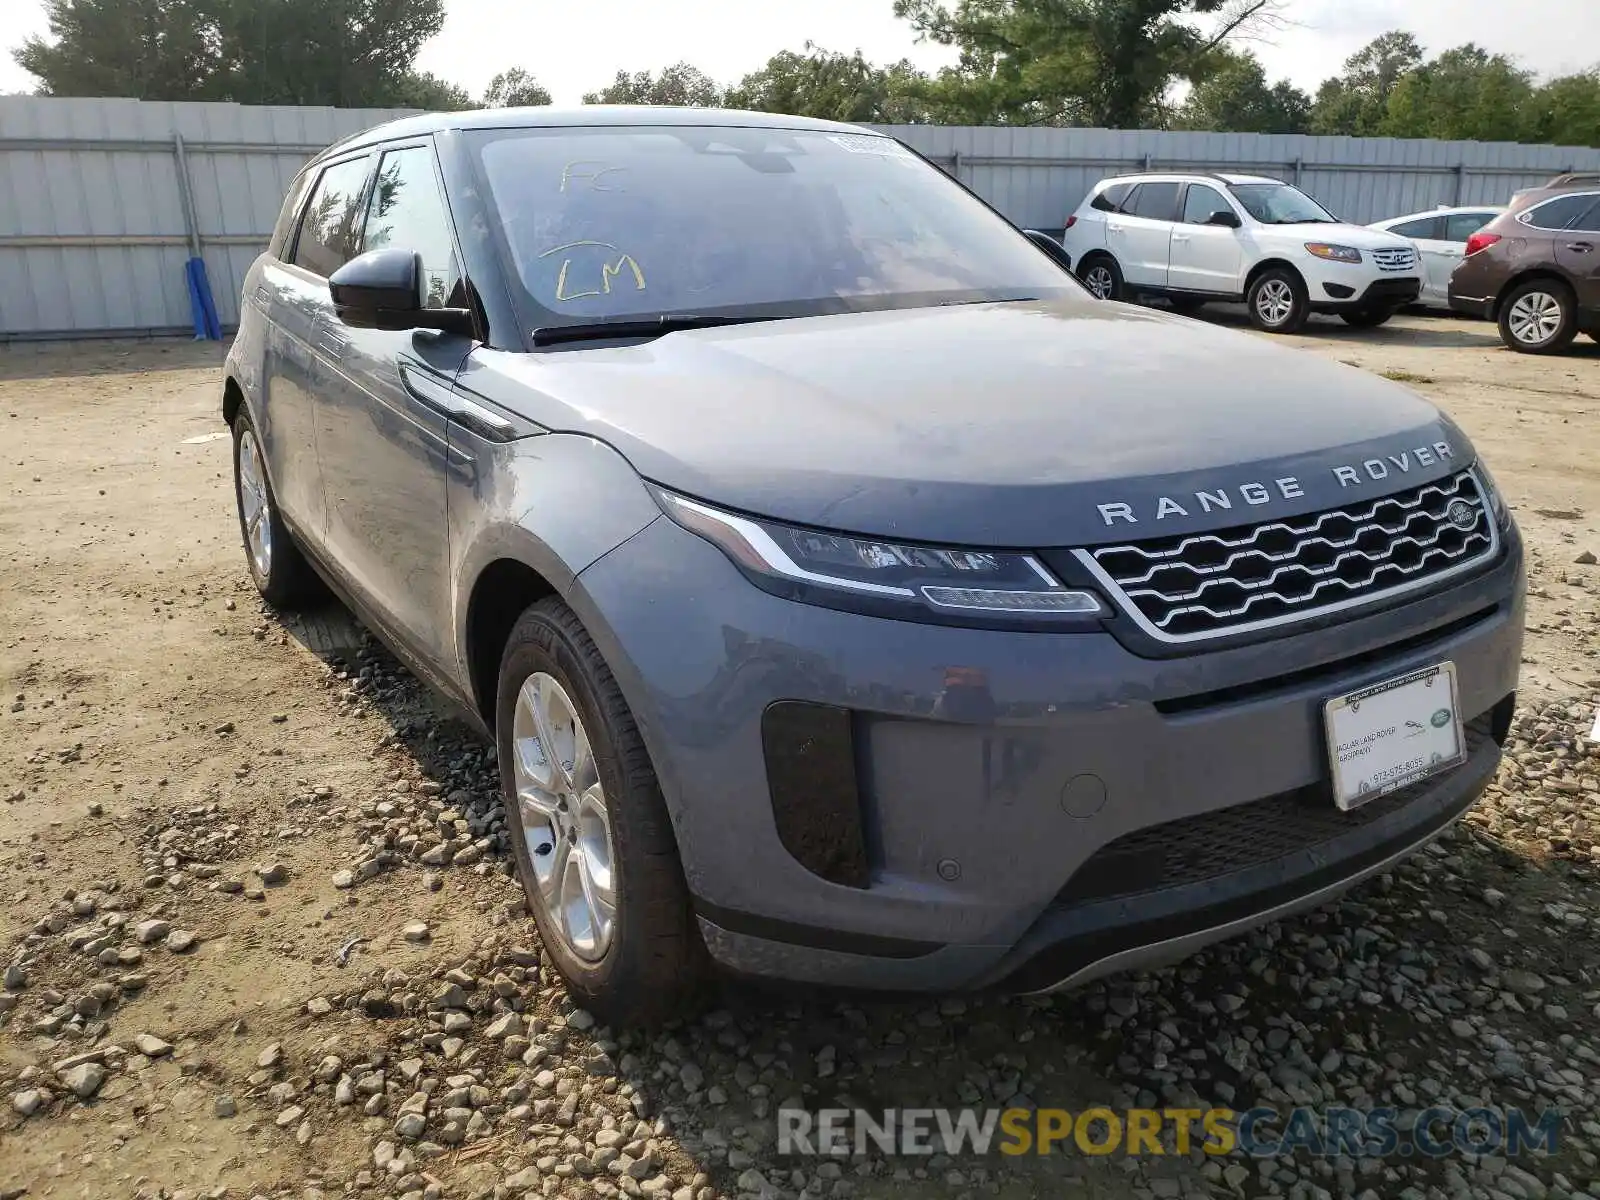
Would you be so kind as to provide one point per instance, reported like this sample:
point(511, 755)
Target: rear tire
point(599, 820)
point(1277, 301)
point(1367, 318)
point(1101, 275)
point(1539, 317)
point(277, 567)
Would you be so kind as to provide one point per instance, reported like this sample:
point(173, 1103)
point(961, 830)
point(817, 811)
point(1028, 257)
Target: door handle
point(1180, 237)
point(263, 297)
point(1113, 228)
point(330, 340)
point(1581, 247)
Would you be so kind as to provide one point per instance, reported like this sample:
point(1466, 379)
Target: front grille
point(1252, 577)
point(1210, 845)
point(1401, 258)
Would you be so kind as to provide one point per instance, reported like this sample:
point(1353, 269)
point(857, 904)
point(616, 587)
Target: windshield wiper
point(649, 327)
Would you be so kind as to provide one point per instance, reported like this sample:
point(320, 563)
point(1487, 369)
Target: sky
point(574, 46)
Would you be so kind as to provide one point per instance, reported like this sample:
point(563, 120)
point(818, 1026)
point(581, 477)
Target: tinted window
point(407, 212)
point(609, 222)
point(1201, 202)
point(1155, 202)
point(1589, 222)
point(327, 234)
point(283, 231)
point(1458, 227)
point(1558, 213)
point(1280, 204)
point(1428, 227)
point(1111, 199)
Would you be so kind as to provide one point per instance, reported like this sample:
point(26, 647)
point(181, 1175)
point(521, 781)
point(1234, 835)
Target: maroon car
point(1536, 269)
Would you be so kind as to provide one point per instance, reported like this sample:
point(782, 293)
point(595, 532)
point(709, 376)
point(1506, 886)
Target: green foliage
point(513, 89)
point(1463, 93)
point(1232, 94)
point(1356, 102)
point(353, 53)
point(680, 85)
point(833, 86)
point(1565, 112)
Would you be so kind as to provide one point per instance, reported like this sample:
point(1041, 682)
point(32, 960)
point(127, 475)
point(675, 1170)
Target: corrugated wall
point(93, 233)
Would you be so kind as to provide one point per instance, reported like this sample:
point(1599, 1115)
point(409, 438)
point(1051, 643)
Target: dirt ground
point(166, 746)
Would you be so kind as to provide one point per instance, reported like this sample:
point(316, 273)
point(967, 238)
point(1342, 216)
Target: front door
point(381, 423)
point(1205, 257)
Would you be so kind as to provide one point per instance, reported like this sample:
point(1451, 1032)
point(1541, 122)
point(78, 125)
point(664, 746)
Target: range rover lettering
point(851, 596)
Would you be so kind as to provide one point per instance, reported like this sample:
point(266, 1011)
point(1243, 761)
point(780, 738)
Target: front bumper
point(1341, 296)
point(998, 775)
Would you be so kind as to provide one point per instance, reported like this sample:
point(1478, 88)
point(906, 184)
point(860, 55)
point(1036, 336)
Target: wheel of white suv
point(589, 829)
point(1277, 301)
point(280, 572)
point(1367, 318)
point(1539, 317)
point(1101, 275)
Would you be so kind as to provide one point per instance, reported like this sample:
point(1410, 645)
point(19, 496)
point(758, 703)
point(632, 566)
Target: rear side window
point(1427, 227)
point(1154, 202)
point(1458, 227)
point(328, 232)
point(1559, 213)
point(407, 212)
point(1110, 200)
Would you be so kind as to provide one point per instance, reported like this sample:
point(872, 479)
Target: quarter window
point(1427, 228)
point(1458, 227)
point(1155, 202)
point(1110, 200)
point(407, 212)
point(1201, 202)
point(1558, 213)
point(327, 233)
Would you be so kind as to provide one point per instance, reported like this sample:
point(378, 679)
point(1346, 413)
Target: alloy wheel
point(255, 504)
point(1275, 302)
point(1535, 318)
point(1099, 280)
point(565, 822)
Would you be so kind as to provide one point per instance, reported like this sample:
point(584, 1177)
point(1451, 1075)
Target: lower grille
point(1195, 849)
point(1186, 589)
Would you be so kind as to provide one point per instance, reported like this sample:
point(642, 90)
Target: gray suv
point(851, 597)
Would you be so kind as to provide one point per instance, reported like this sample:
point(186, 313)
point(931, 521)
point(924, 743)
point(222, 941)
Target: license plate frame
point(1367, 732)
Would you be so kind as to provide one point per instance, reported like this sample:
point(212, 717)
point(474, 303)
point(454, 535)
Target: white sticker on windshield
point(862, 143)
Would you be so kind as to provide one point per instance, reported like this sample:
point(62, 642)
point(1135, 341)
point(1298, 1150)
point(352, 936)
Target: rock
point(1524, 983)
point(580, 1020)
point(273, 874)
point(415, 931)
point(525, 1180)
point(181, 941)
point(410, 1126)
point(84, 1080)
point(504, 1027)
point(29, 1101)
point(753, 1181)
point(148, 932)
point(270, 1058)
point(151, 1046)
point(15, 978)
point(344, 879)
point(1586, 559)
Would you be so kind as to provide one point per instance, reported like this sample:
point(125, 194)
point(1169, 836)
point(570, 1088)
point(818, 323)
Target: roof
point(588, 116)
point(1176, 175)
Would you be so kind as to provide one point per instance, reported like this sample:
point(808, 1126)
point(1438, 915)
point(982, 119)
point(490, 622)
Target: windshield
point(1280, 204)
point(606, 224)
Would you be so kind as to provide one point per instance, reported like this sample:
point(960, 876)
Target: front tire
point(1101, 275)
point(278, 569)
point(1539, 317)
point(589, 829)
point(1367, 318)
point(1277, 301)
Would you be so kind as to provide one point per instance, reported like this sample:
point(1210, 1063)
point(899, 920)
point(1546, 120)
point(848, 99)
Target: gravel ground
point(261, 936)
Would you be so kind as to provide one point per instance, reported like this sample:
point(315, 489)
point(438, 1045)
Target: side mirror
point(382, 289)
point(1227, 220)
point(1051, 247)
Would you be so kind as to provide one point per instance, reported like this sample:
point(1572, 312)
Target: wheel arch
point(503, 586)
point(1530, 275)
point(1267, 264)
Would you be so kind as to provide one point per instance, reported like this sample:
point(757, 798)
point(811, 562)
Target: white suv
point(1199, 237)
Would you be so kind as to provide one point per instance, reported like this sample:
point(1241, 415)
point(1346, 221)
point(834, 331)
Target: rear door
point(1141, 234)
point(1205, 257)
point(382, 414)
point(1579, 253)
point(294, 290)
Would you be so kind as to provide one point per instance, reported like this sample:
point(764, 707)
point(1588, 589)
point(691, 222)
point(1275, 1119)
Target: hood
point(1033, 424)
point(1362, 237)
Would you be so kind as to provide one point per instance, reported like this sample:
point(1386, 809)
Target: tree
point(1565, 111)
point(680, 85)
point(419, 89)
point(1465, 93)
point(354, 53)
point(144, 49)
point(1234, 96)
point(832, 86)
point(1082, 62)
point(514, 89)
point(1356, 102)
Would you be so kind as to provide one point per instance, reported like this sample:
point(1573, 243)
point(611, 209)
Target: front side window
point(1427, 229)
point(1280, 204)
point(407, 212)
point(1458, 227)
point(328, 230)
point(1589, 222)
point(1155, 202)
point(1559, 213)
point(1202, 203)
point(609, 223)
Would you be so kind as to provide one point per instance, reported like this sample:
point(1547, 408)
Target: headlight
point(1344, 254)
point(889, 578)
point(1491, 494)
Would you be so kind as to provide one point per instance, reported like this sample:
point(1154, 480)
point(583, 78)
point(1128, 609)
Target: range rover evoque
point(851, 596)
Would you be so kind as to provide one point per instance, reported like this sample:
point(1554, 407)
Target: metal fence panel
point(94, 235)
